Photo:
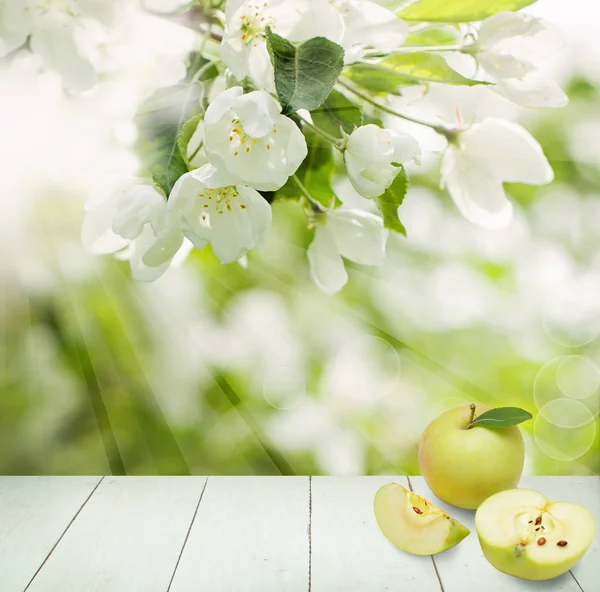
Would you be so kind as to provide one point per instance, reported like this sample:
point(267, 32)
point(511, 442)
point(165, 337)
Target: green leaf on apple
point(501, 417)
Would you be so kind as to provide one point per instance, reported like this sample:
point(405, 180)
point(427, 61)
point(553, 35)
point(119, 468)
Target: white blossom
point(131, 216)
point(353, 24)
point(373, 156)
point(246, 136)
point(213, 208)
point(509, 48)
point(56, 29)
point(354, 234)
point(244, 48)
point(484, 157)
point(369, 25)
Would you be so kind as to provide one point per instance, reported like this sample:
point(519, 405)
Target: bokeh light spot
point(564, 429)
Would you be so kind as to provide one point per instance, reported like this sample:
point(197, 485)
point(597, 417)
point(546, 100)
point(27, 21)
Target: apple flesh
point(463, 467)
point(413, 524)
point(522, 534)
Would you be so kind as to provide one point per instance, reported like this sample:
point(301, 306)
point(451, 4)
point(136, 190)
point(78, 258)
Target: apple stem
point(472, 407)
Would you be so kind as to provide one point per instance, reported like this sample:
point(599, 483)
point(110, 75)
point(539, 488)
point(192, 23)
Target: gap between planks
point(309, 533)
point(60, 538)
point(187, 536)
point(437, 573)
point(578, 584)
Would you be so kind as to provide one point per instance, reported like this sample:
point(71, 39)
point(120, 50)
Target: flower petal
point(506, 25)
point(220, 105)
point(296, 149)
point(243, 227)
point(501, 65)
point(370, 142)
point(510, 152)
point(370, 25)
point(257, 112)
point(370, 185)
point(326, 265)
point(372, 155)
point(532, 91)
point(406, 148)
point(476, 191)
point(359, 236)
point(139, 205)
point(299, 20)
point(139, 270)
point(165, 247)
point(15, 25)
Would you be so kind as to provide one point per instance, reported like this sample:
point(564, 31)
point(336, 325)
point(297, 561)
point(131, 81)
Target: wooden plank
point(34, 513)
point(465, 568)
point(127, 538)
point(584, 491)
point(250, 534)
point(349, 552)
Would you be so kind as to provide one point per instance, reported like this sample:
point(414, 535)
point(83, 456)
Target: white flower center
point(217, 202)
point(241, 143)
point(254, 23)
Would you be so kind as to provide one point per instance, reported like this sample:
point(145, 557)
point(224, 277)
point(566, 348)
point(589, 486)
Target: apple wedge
point(413, 524)
point(523, 534)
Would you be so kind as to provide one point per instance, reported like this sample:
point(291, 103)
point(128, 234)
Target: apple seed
point(562, 543)
point(417, 510)
point(542, 541)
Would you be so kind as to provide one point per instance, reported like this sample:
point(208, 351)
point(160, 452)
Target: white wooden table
point(247, 534)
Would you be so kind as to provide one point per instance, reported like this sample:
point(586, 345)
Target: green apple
point(522, 534)
point(464, 466)
point(413, 524)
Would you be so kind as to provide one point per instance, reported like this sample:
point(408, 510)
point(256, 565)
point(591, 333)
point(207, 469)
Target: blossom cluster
point(299, 89)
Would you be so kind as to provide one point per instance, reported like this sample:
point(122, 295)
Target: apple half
point(413, 524)
point(523, 534)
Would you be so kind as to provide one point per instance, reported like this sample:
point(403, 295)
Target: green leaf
point(400, 70)
point(315, 172)
point(185, 135)
point(501, 417)
point(378, 81)
point(304, 73)
point(458, 11)
point(159, 121)
point(337, 112)
point(434, 36)
point(391, 200)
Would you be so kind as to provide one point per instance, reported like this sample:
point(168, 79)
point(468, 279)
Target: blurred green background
point(224, 370)
point(229, 370)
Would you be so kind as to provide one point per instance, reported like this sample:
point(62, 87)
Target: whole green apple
point(463, 467)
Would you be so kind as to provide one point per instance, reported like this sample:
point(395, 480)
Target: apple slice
point(522, 534)
point(413, 524)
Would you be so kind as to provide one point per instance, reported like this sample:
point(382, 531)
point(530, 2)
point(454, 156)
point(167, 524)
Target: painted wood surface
point(251, 535)
point(127, 538)
point(34, 513)
point(349, 553)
